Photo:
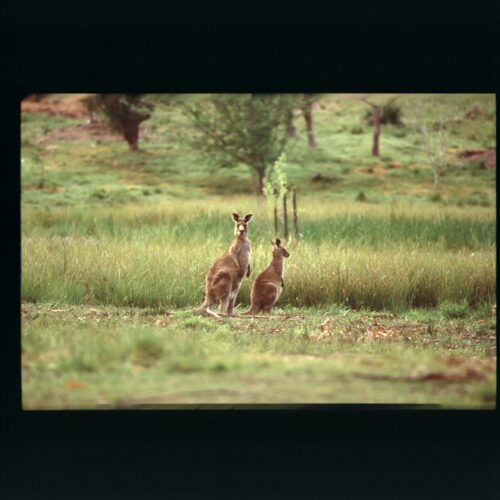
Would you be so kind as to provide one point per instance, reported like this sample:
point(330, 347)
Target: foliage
point(434, 133)
point(275, 183)
point(125, 113)
point(391, 114)
point(455, 310)
point(248, 129)
point(361, 196)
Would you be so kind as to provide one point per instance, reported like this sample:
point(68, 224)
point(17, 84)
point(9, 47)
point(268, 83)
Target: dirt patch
point(487, 156)
point(377, 170)
point(69, 108)
point(474, 114)
point(325, 179)
point(96, 130)
point(36, 187)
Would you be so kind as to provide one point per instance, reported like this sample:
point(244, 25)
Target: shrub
point(148, 349)
point(125, 113)
point(390, 114)
point(454, 310)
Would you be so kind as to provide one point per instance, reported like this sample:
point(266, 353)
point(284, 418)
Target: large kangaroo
point(268, 286)
point(226, 274)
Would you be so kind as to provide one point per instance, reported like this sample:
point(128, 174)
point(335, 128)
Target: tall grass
point(171, 273)
point(320, 221)
point(376, 257)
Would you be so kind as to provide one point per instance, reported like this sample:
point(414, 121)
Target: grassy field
point(389, 294)
point(109, 357)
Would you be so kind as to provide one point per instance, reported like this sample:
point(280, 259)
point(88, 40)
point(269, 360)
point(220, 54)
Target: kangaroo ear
point(278, 242)
point(248, 217)
point(235, 217)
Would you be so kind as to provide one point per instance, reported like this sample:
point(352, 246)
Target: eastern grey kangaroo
point(226, 274)
point(268, 286)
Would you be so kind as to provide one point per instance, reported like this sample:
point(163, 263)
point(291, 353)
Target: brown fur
point(224, 278)
point(268, 286)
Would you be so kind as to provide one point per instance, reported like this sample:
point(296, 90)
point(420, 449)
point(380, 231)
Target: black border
point(443, 47)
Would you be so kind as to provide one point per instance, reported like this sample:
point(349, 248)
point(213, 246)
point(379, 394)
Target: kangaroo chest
point(240, 252)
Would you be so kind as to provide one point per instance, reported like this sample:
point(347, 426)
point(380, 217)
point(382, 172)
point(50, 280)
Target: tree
point(307, 106)
point(290, 127)
point(275, 187)
point(377, 114)
point(303, 103)
point(241, 128)
point(431, 122)
point(91, 103)
point(125, 113)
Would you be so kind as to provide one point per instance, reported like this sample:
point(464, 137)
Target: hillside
point(87, 164)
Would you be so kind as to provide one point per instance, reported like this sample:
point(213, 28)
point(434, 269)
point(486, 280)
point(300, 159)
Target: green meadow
point(389, 293)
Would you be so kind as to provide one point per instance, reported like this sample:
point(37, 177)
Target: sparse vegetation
point(118, 357)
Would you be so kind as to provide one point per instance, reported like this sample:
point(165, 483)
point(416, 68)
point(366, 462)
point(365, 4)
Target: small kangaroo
point(224, 278)
point(268, 286)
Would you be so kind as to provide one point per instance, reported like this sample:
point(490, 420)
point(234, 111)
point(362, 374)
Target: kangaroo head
point(278, 250)
point(241, 224)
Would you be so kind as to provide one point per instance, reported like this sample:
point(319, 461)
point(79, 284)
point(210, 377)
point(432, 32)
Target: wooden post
point(377, 118)
point(41, 158)
point(276, 212)
point(295, 214)
point(285, 218)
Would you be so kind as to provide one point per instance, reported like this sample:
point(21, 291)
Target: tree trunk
point(285, 218)
point(436, 179)
point(309, 124)
point(41, 182)
point(290, 127)
point(276, 223)
point(295, 214)
point(260, 181)
point(131, 135)
point(377, 118)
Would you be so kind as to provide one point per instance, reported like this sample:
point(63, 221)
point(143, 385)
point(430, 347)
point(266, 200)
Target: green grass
point(78, 357)
point(384, 257)
point(404, 277)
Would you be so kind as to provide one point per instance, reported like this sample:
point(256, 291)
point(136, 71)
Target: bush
point(391, 114)
point(357, 129)
point(148, 348)
point(125, 113)
point(361, 196)
point(453, 310)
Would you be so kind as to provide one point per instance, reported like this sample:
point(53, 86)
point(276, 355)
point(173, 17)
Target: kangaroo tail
point(252, 310)
point(202, 311)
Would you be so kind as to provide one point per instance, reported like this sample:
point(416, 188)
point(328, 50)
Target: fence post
point(295, 214)
point(276, 212)
point(285, 218)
